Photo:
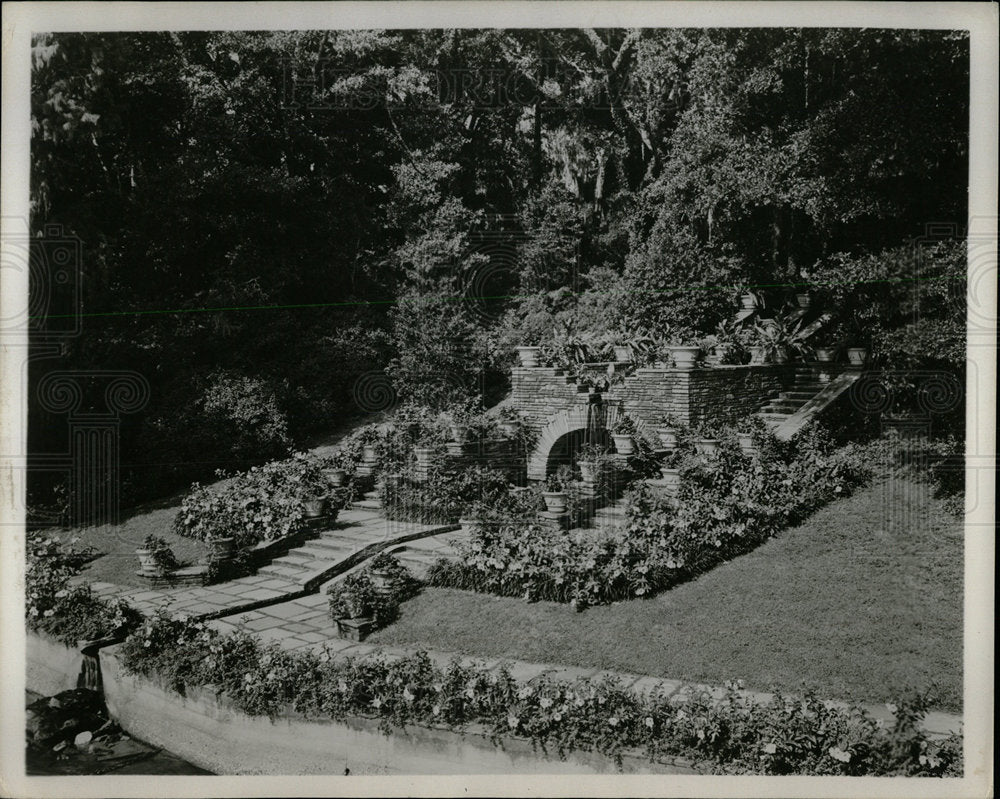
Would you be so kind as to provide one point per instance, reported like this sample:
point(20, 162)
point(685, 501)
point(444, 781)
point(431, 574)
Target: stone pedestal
point(558, 521)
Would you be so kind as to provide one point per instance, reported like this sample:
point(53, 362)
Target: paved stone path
point(357, 534)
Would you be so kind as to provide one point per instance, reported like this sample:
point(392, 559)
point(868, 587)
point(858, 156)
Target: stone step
point(773, 417)
point(798, 394)
point(326, 550)
point(366, 504)
point(286, 570)
point(782, 407)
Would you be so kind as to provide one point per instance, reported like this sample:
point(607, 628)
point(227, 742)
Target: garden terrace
point(557, 406)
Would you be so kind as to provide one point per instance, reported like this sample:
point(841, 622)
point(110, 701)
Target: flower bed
point(68, 613)
point(445, 496)
point(728, 504)
point(267, 502)
point(734, 734)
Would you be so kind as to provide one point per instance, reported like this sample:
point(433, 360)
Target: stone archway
point(576, 421)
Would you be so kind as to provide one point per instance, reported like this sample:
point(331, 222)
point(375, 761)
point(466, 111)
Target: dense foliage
point(728, 503)
point(70, 612)
point(734, 734)
point(281, 227)
point(263, 503)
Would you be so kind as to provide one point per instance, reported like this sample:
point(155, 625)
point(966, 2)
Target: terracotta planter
point(706, 446)
point(313, 507)
point(555, 501)
point(857, 355)
point(588, 471)
point(758, 354)
point(685, 358)
point(749, 302)
point(337, 477)
point(424, 455)
point(624, 444)
point(623, 354)
point(528, 356)
point(668, 437)
point(825, 354)
point(221, 548)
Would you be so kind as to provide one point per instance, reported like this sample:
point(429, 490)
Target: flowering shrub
point(728, 504)
point(375, 591)
point(69, 613)
point(263, 503)
point(733, 735)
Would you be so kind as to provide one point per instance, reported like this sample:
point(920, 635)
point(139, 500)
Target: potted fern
point(555, 491)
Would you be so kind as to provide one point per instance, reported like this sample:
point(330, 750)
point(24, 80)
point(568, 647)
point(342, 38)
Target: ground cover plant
point(786, 735)
point(69, 612)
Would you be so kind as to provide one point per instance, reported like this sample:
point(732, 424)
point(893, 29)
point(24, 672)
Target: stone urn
point(685, 358)
point(668, 437)
point(528, 356)
point(746, 443)
point(313, 507)
point(624, 444)
point(825, 354)
point(555, 501)
point(623, 353)
point(588, 471)
point(706, 446)
point(336, 476)
point(857, 355)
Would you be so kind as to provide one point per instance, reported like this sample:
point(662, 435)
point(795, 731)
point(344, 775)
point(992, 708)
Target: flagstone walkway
point(358, 534)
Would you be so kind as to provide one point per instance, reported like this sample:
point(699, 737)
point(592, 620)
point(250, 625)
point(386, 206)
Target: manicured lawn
point(862, 600)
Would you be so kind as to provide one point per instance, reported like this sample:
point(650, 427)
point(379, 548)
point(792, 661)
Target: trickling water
point(90, 673)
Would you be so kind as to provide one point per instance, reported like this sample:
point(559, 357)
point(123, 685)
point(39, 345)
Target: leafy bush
point(263, 503)
point(733, 734)
point(728, 504)
point(375, 592)
point(162, 554)
point(244, 416)
point(71, 613)
point(446, 495)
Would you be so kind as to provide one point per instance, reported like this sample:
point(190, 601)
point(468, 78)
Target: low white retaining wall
point(51, 665)
point(207, 731)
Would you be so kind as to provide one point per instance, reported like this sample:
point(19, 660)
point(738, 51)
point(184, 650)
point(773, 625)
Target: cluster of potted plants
point(370, 598)
point(623, 433)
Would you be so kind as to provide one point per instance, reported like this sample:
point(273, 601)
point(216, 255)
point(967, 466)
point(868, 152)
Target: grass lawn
point(860, 601)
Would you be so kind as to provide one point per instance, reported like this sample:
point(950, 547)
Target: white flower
point(770, 748)
point(376, 703)
point(649, 722)
point(557, 716)
point(525, 692)
point(407, 695)
point(49, 612)
point(147, 643)
point(513, 721)
point(436, 710)
point(545, 702)
point(839, 754)
point(681, 715)
point(62, 593)
point(613, 721)
point(701, 734)
point(342, 686)
point(891, 707)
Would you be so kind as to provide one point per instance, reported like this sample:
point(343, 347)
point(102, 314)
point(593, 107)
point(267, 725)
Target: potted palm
point(623, 432)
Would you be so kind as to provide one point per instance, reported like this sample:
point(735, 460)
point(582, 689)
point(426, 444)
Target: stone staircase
point(815, 387)
point(359, 533)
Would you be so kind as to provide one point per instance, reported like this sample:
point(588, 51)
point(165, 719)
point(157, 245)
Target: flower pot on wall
point(313, 507)
point(368, 453)
point(749, 302)
point(706, 446)
point(746, 443)
point(623, 353)
point(685, 358)
point(588, 471)
point(857, 355)
point(671, 479)
point(459, 433)
point(668, 438)
point(825, 354)
point(804, 300)
point(148, 566)
point(624, 444)
point(221, 548)
point(780, 355)
point(758, 354)
point(336, 477)
point(528, 356)
point(555, 501)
